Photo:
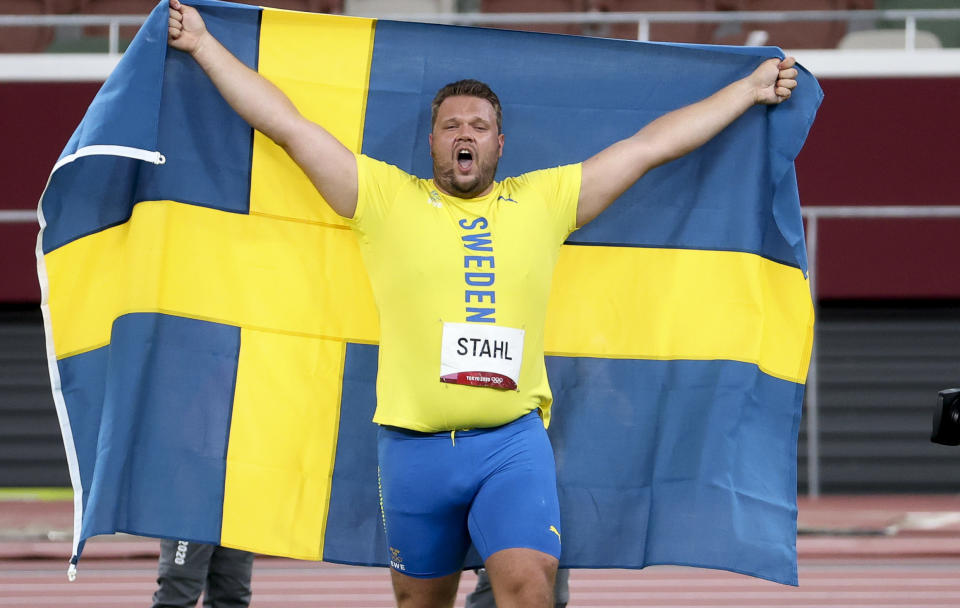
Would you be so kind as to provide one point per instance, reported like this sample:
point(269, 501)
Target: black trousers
point(188, 569)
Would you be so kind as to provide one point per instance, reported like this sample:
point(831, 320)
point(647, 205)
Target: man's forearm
point(265, 107)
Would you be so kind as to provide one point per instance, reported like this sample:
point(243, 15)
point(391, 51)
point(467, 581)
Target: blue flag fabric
point(179, 374)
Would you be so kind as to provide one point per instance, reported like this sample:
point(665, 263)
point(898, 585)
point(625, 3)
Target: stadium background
point(886, 528)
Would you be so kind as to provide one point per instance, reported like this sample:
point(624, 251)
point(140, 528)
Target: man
point(460, 267)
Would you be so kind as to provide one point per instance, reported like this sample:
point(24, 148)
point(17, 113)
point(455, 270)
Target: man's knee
point(522, 577)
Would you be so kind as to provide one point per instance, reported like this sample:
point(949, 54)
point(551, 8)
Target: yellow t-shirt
point(440, 265)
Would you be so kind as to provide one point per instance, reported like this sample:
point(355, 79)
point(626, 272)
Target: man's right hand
point(186, 28)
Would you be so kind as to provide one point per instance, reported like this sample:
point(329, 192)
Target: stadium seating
point(35, 39)
point(114, 7)
point(534, 6)
point(25, 39)
point(672, 32)
point(796, 35)
point(311, 6)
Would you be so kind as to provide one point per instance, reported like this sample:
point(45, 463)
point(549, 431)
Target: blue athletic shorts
point(496, 487)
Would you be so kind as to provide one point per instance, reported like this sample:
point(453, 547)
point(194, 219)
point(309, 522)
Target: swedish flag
point(212, 334)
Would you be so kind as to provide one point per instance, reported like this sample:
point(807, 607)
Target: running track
point(905, 582)
point(857, 551)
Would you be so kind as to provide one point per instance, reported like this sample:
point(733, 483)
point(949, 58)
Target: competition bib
point(481, 355)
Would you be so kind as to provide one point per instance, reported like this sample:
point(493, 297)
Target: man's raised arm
point(610, 172)
point(330, 166)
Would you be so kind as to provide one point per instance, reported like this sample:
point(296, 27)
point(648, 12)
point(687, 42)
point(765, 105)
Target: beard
point(468, 186)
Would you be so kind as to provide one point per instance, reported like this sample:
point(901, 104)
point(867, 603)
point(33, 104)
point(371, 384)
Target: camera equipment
point(946, 418)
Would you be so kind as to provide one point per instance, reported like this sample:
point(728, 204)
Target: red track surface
point(879, 551)
point(904, 583)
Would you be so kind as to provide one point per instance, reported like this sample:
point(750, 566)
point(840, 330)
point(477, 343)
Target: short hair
point(467, 88)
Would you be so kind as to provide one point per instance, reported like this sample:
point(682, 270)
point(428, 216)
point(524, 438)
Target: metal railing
point(643, 20)
point(17, 216)
point(113, 23)
point(813, 215)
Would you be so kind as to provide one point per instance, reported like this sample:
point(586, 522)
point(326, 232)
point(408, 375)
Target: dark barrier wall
point(885, 141)
point(38, 119)
point(877, 141)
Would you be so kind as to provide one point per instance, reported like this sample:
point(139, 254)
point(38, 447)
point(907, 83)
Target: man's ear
point(500, 139)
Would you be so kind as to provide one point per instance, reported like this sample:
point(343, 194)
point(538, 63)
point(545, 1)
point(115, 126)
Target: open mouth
point(464, 159)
